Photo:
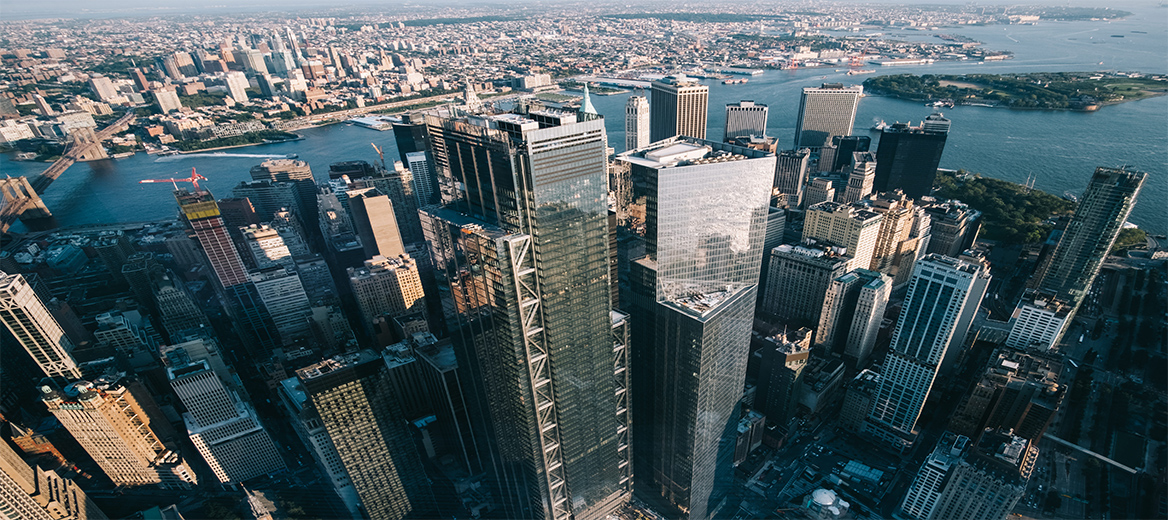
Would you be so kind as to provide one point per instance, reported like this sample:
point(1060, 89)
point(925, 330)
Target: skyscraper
point(529, 306)
point(167, 99)
point(706, 213)
point(373, 217)
point(202, 213)
point(267, 197)
point(678, 108)
point(236, 85)
point(825, 112)
point(844, 146)
point(780, 374)
point(387, 286)
point(907, 156)
point(799, 277)
point(425, 183)
point(291, 170)
point(926, 488)
point(850, 226)
point(224, 429)
point(1038, 320)
point(636, 123)
point(862, 176)
point(118, 424)
point(30, 492)
point(284, 297)
point(953, 227)
point(1102, 210)
point(365, 423)
point(791, 175)
point(942, 294)
point(744, 119)
point(312, 432)
point(852, 311)
point(34, 327)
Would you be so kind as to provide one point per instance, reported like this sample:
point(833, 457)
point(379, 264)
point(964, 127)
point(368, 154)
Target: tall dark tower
point(1102, 210)
point(523, 250)
point(907, 156)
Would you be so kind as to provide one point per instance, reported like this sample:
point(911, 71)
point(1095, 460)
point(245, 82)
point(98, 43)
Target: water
point(1059, 149)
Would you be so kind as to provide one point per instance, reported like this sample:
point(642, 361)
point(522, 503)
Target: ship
point(944, 103)
point(879, 127)
point(855, 72)
point(734, 81)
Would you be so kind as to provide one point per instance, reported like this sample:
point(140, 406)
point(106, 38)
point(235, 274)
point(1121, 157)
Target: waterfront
point(1059, 149)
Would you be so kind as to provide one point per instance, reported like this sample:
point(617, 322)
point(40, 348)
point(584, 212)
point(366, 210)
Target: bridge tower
point(87, 145)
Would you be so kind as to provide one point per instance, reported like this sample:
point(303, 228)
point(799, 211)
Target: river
point(1058, 149)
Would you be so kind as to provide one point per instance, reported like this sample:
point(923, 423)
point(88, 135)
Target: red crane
point(193, 179)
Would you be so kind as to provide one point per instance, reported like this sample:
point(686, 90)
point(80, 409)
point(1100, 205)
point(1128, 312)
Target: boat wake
point(179, 157)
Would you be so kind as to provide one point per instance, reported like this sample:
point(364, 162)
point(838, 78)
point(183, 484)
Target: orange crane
point(379, 154)
point(193, 179)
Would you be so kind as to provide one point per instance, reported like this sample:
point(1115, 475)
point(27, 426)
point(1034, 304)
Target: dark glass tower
point(907, 156)
point(521, 255)
point(692, 307)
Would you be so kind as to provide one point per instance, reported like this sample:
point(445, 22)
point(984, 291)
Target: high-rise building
point(907, 156)
point(843, 147)
point(930, 480)
point(103, 87)
point(953, 226)
point(852, 311)
point(236, 85)
point(529, 309)
point(1038, 321)
point(266, 246)
point(376, 224)
point(984, 487)
point(858, 400)
point(744, 119)
point(268, 197)
point(799, 277)
point(780, 373)
point(202, 213)
point(33, 493)
point(364, 421)
point(825, 112)
point(118, 424)
point(1103, 209)
point(636, 123)
point(139, 79)
point(224, 429)
point(425, 183)
point(853, 227)
point(706, 214)
point(312, 432)
point(862, 176)
point(819, 189)
point(1019, 391)
point(893, 240)
point(791, 175)
point(284, 298)
point(944, 294)
point(678, 107)
point(294, 171)
point(438, 365)
point(387, 286)
point(398, 186)
point(167, 99)
point(34, 327)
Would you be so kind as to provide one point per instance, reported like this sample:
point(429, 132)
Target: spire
point(586, 105)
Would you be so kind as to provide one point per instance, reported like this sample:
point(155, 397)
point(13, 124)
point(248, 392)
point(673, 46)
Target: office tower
point(930, 480)
point(425, 182)
point(237, 213)
point(176, 308)
point(984, 486)
point(236, 85)
point(139, 79)
point(852, 311)
point(678, 107)
point(858, 400)
point(410, 135)
point(318, 281)
point(1018, 391)
point(294, 171)
point(707, 205)
point(267, 86)
point(1101, 213)
point(439, 368)
point(798, 279)
point(224, 429)
point(268, 197)
point(398, 185)
point(30, 492)
point(373, 217)
point(167, 99)
point(202, 213)
point(907, 157)
point(68, 320)
point(824, 377)
point(776, 227)
point(894, 240)
point(185, 64)
point(818, 190)
point(365, 423)
point(103, 87)
point(862, 176)
point(780, 373)
point(851, 226)
point(825, 112)
point(943, 294)
point(636, 123)
point(312, 432)
point(266, 246)
point(744, 119)
point(387, 286)
point(529, 311)
point(337, 228)
point(843, 147)
point(1038, 320)
point(113, 249)
point(791, 175)
point(953, 227)
point(122, 332)
point(750, 431)
point(140, 271)
point(34, 327)
point(284, 298)
point(118, 424)
point(43, 105)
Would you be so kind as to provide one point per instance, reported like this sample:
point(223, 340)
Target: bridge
point(21, 197)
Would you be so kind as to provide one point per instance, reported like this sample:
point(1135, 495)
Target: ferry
point(855, 72)
point(734, 81)
point(944, 103)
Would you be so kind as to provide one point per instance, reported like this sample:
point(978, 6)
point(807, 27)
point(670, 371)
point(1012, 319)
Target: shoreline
point(201, 150)
point(1053, 109)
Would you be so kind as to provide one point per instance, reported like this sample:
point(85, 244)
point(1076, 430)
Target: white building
point(424, 187)
point(825, 112)
point(926, 488)
point(745, 118)
point(34, 327)
point(636, 123)
point(1038, 321)
point(850, 226)
point(236, 85)
point(284, 297)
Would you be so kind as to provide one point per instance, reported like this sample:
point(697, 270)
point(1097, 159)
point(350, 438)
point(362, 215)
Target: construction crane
point(379, 154)
point(193, 179)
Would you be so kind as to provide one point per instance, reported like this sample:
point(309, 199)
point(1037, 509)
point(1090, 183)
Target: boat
point(734, 81)
point(943, 103)
point(879, 127)
point(855, 72)
point(292, 156)
point(1070, 196)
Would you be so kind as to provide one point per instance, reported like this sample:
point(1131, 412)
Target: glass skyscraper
point(521, 255)
point(692, 308)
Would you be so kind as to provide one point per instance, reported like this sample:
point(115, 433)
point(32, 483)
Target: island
point(1037, 90)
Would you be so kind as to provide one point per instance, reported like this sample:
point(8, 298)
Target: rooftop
point(337, 363)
